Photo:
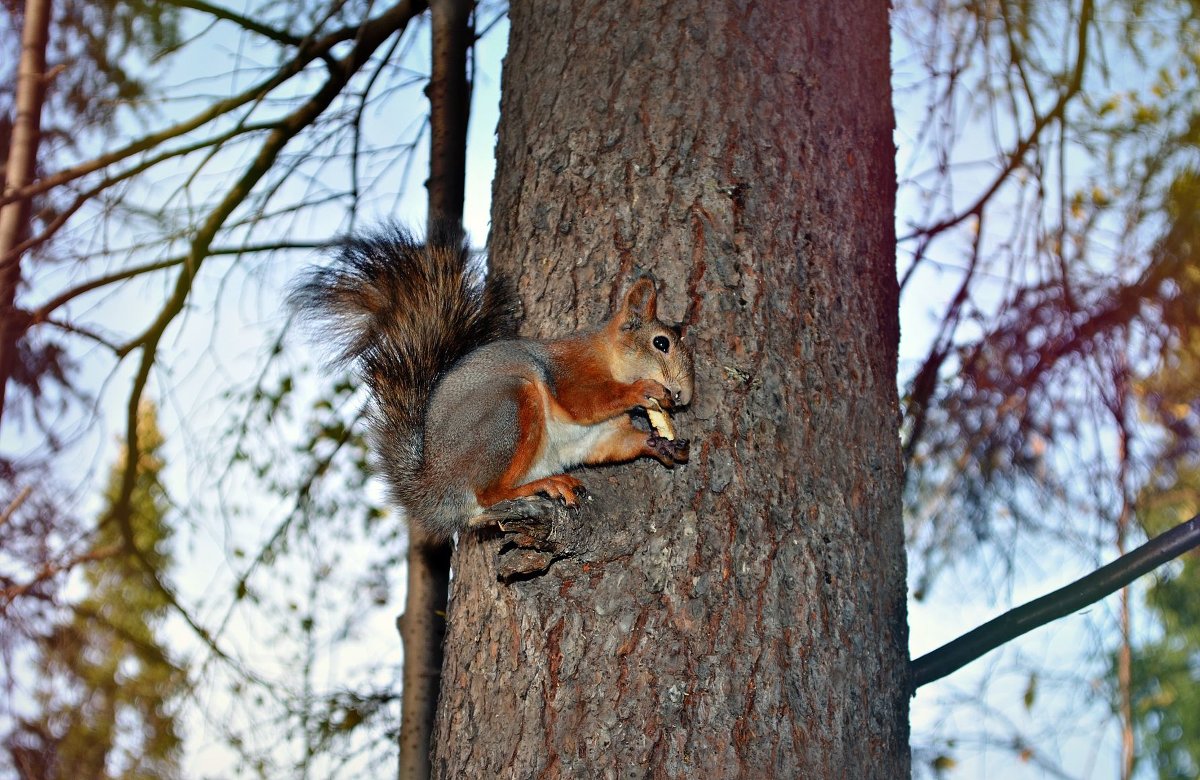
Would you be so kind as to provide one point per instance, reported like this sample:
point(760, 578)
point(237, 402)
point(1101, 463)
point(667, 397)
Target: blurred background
point(221, 600)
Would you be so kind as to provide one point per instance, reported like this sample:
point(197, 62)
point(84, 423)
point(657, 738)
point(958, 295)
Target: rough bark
point(743, 616)
point(19, 169)
point(423, 625)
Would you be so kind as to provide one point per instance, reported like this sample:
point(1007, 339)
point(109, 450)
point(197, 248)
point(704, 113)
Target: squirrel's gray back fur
point(405, 312)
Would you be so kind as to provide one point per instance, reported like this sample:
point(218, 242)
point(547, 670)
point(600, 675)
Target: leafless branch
point(279, 36)
point(51, 570)
point(307, 53)
point(1016, 158)
point(369, 37)
point(1071, 598)
point(43, 311)
point(15, 504)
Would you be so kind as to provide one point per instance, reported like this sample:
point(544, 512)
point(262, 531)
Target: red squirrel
point(463, 414)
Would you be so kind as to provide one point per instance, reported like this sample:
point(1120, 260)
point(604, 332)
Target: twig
point(1017, 157)
point(15, 504)
point(313, 50)
point(279, 36)
point(49, 570)
point(44, 311)
point(371, 35)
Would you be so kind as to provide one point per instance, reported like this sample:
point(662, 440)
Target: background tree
point(23, 136)
point(1046, 155)
point(128, 193)
point(107, 702)
point(98, 40)
point(1165, 677)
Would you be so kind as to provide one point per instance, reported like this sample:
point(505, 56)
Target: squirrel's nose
point(681, 392)
point(682, 396)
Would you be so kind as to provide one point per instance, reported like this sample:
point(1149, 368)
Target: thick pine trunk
point(743, 616)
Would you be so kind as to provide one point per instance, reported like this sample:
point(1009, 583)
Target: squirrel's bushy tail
point(405, 312)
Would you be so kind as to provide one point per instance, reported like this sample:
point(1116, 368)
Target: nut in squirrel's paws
point(660, 421)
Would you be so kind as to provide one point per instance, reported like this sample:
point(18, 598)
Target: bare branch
point(15, 504)
point(43, 311)
point(304, 56)
point(1079, 594)
point(88, 333)
point(1016, 158)
point(246, 23)
point(370, 36)
point(51, 570)
point(64, 215)
point(924, 384)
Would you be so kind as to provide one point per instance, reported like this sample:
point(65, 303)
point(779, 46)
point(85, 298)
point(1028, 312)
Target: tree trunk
point(19, 169)
point(743, 616)
point(423, 625)
point(449, 106)
point(422, 631)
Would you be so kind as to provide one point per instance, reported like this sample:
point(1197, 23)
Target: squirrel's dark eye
point(662, 343)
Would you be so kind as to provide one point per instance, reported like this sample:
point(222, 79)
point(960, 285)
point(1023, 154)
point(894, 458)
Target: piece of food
point(660, 421)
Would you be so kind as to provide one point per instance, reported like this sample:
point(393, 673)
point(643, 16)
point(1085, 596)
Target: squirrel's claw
point(562, 487)
point(654, 393)
point(515, 513)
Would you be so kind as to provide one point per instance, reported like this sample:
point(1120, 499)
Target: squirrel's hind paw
point(526, 511)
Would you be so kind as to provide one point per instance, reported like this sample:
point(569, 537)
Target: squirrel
point(464, 414)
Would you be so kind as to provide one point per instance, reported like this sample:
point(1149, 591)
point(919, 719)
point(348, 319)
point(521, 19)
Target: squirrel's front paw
point(667, 451)
point(653, 392)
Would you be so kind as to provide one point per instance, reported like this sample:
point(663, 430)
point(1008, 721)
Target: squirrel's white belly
point(566, 445)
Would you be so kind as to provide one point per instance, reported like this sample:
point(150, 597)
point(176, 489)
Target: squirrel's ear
point(641, 303)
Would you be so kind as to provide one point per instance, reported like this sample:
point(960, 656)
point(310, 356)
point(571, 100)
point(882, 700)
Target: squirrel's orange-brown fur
point(464, 415)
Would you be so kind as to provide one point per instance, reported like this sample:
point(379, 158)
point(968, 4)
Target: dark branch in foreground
point(1087, 590)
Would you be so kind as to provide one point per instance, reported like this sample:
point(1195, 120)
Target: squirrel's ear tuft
point(641, 303)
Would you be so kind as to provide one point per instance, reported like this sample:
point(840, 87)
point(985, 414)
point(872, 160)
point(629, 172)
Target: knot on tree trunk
point(530, 534)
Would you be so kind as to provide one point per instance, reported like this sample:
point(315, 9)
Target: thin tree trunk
point(743, 616)
point(422, 631)
point(449, 107)
point(1125, 682)
point(1125, 649)
point(423, 625)
point(19, 170)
